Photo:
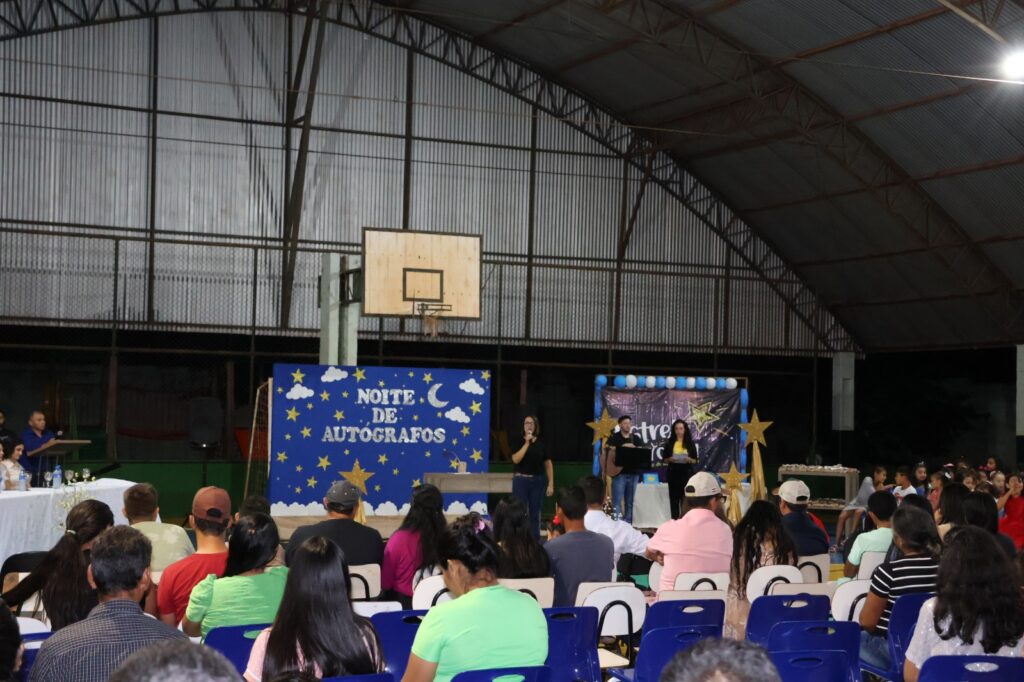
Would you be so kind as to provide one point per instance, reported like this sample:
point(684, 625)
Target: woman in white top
point(978, 608)
point(10, 468)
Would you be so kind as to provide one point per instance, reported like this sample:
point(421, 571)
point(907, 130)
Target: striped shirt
point(908, 575)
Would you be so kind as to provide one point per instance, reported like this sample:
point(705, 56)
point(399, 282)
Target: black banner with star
point(713, 418)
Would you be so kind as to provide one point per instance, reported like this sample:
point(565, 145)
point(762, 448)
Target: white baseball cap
point(795, 491)
point(702, 484)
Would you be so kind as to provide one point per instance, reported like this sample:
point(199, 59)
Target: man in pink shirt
point(699, 542)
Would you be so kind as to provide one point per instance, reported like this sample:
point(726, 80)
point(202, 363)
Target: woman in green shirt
point(250, 591)
point(487, 625)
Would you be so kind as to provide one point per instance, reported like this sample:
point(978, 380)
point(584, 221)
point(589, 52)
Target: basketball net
point(431, 323)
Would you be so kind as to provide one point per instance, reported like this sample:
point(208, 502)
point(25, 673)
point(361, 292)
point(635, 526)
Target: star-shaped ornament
point(476, 456)
point(298, 376)
point(359, 374)
point(733, 479)
point(357, 476)
point(603, 427)
point(293, 414)
point(324, 463)
point(701, 415)
point(755, 429)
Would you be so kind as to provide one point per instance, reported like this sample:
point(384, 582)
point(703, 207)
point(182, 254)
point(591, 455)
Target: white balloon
point(731, 383)
point(670, 382)
point(711, 383)
point(630, 381)
point(691, 382)
point(652, 382)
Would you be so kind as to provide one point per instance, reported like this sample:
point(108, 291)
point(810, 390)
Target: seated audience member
point(555, 528)
point(250, 591)
point(211, 515)
point(361, 544)
point(699, 541)
point(881, 507)
point(858, 505)
point(978, 607)
point(721, 660)
point(580, 555)
point(61, 577)
point(175, 661)
point(90, 650)
point(913, 531)
point(10, 645)
point(170, 542)
point(486, 625)
point(951, 507)
point(809, 539)
point(10, 465)
point(920, 479)
point(759, 540)
point(627, 540)
point(910, 501)
point(521, 555)
point(258, 504)
point(998, 480)
point(316, 629)
point(1012, 505)
point(938, 480)
point(980, 511)
point(412, 549)
point(904, 485)
point(970, 479)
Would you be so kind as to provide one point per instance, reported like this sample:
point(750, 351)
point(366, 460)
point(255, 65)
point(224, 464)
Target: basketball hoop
point(430, 314)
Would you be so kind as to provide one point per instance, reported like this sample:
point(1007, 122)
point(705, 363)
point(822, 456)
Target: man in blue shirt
point(805, 534)
point(35, 436)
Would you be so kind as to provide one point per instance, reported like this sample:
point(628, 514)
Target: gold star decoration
point(465, 430)
point(733, 479)
point(701, 415)
point(428, 377)
point(454, 464)
point(439, 414)
point(280, 390)
point(309, 406)
point(306, 432)
point(344, 394)
point(475, 407)
point(415, 483)
point(324, 463)
point(455, 441)
point(311, 482)
point(411, 374)
point(339, 415)
point(603, 427)
point(357, 476)
point(394, 472)
point(755, 429)
point(298, 489)
point(282, 457)
point(381, 383)
point(287, 436)
point(485, 375)
point(298, 376)
point(325, 396)
point(298, 468)
point(382, 459)
point(476, 456)
point(293, 414)
point(415, 417)
point(359, 374)
point(427, 453)
point(376, 488)
point(346, 451)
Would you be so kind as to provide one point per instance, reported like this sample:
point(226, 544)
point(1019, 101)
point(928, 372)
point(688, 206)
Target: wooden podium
point(470, 483)
point(56, 451)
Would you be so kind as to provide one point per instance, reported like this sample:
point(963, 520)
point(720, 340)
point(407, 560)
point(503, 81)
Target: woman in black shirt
point(532, 474)
point(680, 453)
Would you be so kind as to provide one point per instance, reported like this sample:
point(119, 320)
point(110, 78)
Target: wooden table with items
point(850, 476)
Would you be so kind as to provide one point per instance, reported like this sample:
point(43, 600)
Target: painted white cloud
point(457, 415)
point(333, 374)
point(367, 509)
point(298, 392)
point(296, 509)
point(471, 386)
point(457, 509)
point(405, 509)
point(479, 508)
point(386, 509)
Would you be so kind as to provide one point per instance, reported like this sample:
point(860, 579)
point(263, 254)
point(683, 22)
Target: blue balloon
point(598, 407)
point(744, 397)
point(601, 380)
point(641, 381)
point(680, 382)
point(620, 381)
point(702, 383)
point(660, 382)
point(743, 417)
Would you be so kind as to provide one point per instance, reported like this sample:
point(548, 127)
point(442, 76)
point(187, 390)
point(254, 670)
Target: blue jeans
point(875, 650)
point(624, 486)
point(531, 489)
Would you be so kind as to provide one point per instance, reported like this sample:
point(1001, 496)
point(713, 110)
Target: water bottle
point(22, 481)
point(58, 476)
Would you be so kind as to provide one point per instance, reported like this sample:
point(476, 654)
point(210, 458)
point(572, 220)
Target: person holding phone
point(533, 475)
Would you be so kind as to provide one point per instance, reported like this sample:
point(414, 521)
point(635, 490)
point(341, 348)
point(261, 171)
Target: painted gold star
point(346, 451)
point(324, 463)
point(454, 464)
point(325, 396)
point(475, 407)
point(377, 488)
point(298, 376)
point(293, 414)
point(282, 457)
point(476, 456)
point(309, 406)
point(306, 432)
point(734, 479)
point(427, 453)
point(381, 383)
point(701, 415)
point(485, 375)
point(311, 482)
point(339, 415)
point(344, 394)
point(412, 374)
point(455, 441)
point(382, 459)
point(394, 472)
point(428, 377)
point(298, 489)
point(357, 476)
point(755, 429)
point(465, 430)
point(603, 427)
point(439, 414)
point(359, 374)
point(415, 483)
point(298, 468)
point(415, 417)
point(280, 390)
point(287, 436)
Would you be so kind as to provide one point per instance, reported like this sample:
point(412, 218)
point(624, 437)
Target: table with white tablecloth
point(651, 505)
point(31, 520)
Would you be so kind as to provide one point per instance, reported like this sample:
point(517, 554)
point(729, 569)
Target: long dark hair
point(10, 642)
point(762, 523)
point(426, 518)
point(978, 587)
point(468, 541)
point(666, 447)
point(316, 622)
point(253, 543)
point(67, 596)
point(951, 503)
point(521, 555)
point(980, 510)
point(917, 530)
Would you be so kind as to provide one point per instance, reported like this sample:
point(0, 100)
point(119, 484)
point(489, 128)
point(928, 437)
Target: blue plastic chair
point(666, 614)
point(572, 644)
point(397, 630)
point(972, 669)
point(28, 657)
point(901, 628)
point(657, 647)
point(810, 666)
point(765, 612)
point(540, 673)
point(819, 635)
point(380, 677)
point(235, 642)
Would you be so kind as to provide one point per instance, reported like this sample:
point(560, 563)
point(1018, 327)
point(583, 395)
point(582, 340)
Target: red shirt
point(179, 578)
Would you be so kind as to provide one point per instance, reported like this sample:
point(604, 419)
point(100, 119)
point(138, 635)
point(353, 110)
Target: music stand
point(632, 460)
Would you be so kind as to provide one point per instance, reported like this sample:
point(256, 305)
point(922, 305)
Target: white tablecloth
point(31, 521)
point(651, 507)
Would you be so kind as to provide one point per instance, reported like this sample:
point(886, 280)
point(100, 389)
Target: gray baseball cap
point(343, 494)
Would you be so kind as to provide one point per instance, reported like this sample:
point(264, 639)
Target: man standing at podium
point(35, 437)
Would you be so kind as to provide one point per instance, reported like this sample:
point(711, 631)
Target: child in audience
point(978, 607)
point(881, 507)
point(980, 511)
point(1012, 503)
point(939, 479)
point(921, 478)
point(951, 511)
point(998, 480)
point(316, 630)
point(904, 486)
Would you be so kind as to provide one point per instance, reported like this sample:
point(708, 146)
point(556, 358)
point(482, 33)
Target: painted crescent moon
point(432, 397)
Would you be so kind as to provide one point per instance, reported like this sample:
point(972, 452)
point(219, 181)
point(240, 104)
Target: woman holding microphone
point(680, 453)
point(532, 473)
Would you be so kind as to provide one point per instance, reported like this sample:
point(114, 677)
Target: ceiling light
point(1013, 65)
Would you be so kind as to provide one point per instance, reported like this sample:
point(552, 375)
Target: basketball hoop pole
point(339, 316)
